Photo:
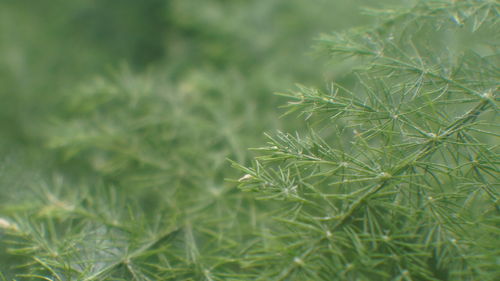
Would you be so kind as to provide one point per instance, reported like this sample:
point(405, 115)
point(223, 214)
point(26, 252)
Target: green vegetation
point(120, 121)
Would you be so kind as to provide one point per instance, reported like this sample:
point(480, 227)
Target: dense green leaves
point(389, 173)
point(396, 180)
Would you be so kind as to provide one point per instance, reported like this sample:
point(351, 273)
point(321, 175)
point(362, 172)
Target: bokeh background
point(117, 105)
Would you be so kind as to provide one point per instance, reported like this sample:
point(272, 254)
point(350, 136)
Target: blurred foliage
point(117, 119)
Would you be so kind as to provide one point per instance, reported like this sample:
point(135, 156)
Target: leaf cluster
point(398, 177)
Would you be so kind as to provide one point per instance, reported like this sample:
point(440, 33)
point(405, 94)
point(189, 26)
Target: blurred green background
point(146, 100)
point(50, 47)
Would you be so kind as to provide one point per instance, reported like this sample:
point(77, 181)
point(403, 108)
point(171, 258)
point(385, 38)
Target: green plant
point(398, 177)
point(124, 177)
point(121, 177)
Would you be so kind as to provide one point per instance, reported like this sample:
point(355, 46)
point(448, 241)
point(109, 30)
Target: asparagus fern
point(397, 178)
point(392, 174)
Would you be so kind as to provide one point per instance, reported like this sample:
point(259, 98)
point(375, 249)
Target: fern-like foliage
point(398, 177)
point(122, 177)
